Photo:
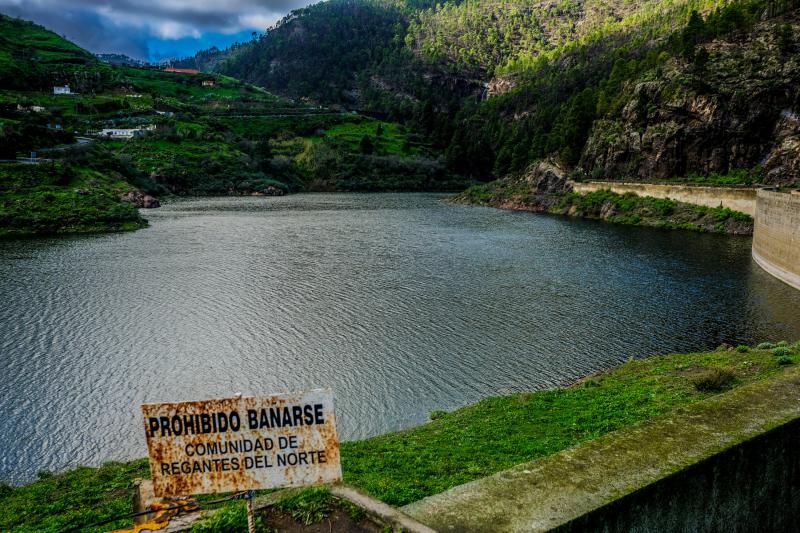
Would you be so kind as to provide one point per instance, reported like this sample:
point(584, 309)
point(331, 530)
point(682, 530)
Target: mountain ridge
point(542, 91)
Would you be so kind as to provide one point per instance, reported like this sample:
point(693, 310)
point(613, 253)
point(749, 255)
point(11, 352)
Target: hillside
point(187, 134)
point(727, 103)
point(32, 57)
point(501, 85)
point(319, 51)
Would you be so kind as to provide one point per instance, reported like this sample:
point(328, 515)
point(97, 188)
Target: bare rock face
point(500, 85)
point(740, 112)
point(141, 200)
point(546, 177)
point(273, 191)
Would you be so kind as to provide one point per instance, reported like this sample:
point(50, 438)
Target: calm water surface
point(400, 303)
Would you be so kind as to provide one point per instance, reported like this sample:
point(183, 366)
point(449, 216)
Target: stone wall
point(738, 199)
point(776, 236)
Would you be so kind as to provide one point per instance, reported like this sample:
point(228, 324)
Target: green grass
point(17, 36)
point(457, 447)
point(743, 176)
point(80, 497)
point(387, 137)
point(487, 193)
point(56, 199)
point(499, 432)
point(308, 506)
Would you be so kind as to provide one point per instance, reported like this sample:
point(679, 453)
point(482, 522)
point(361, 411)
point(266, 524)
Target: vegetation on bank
point(633, 210)
point(628, 209)
point(454, 448)
point(56, 198)
point(740, 177)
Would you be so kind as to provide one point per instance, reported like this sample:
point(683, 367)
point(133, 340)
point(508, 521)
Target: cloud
point(145, 29)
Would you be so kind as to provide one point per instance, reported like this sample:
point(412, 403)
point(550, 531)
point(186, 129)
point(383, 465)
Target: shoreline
point(453, 448)
point(11, 232)
point(604, 205)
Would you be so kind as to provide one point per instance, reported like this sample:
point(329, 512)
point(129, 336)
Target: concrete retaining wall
point(738, 199)
point(776, 236)
point(752, 487)
point(729, 463)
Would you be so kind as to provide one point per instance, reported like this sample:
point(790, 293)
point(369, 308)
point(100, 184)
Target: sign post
point(242, 444)
point(251, 519)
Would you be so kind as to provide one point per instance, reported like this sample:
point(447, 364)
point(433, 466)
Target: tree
point(701, 58)
point(692, 34)
point(503, 162)
point(785, 38)
point(366, 145)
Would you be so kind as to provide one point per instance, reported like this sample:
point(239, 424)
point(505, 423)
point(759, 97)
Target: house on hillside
point(209, 83)
point(62, 90)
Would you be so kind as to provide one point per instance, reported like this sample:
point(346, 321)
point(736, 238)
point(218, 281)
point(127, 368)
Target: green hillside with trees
point(195, 134)
point(502, 85)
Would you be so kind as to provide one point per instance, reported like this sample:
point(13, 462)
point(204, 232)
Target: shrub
point(714, 380)
point(309, 506)
point(784, 360)
point(765, 346)
point(436, 415)
point(743, 348)
point(782, 344)
point(781, 351)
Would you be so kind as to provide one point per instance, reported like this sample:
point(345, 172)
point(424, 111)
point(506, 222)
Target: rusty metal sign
point(242, 443)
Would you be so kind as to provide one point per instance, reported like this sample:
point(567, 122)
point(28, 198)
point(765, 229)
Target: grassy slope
point(19, 38)
point(456, 447)
point(51, 199)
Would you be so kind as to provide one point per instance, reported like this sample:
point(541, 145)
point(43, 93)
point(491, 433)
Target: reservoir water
point(402, 304)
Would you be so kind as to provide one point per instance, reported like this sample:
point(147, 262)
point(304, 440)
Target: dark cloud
point(151, 29)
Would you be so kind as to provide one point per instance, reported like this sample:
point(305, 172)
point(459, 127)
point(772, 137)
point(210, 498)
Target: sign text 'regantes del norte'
point(242, 443)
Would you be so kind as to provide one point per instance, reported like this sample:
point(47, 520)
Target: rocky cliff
point(733, 105)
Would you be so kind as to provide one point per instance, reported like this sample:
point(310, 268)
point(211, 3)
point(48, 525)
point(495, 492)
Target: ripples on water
point(400, 303)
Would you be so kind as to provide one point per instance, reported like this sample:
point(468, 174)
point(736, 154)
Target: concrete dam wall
point(742, 199)
point(776, 235)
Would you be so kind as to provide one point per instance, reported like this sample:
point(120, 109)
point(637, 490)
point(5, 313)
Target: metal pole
point(251, 520)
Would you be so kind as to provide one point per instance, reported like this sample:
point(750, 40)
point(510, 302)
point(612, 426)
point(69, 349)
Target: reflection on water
point(400, 303)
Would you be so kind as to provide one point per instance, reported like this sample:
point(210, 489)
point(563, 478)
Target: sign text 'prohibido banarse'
point(236, 444)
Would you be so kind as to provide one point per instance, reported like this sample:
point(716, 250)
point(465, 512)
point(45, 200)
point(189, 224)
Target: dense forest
point(500, 85)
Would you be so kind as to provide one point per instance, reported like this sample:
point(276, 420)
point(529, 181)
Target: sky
point(152, 30)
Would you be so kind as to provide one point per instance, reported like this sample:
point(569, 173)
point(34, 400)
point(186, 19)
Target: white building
point(62, 90)
point(34, 108)
point(125, 133)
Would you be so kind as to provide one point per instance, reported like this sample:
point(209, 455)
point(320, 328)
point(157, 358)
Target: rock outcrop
point(738, 111)
point(140, 199)
point(546, 177)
